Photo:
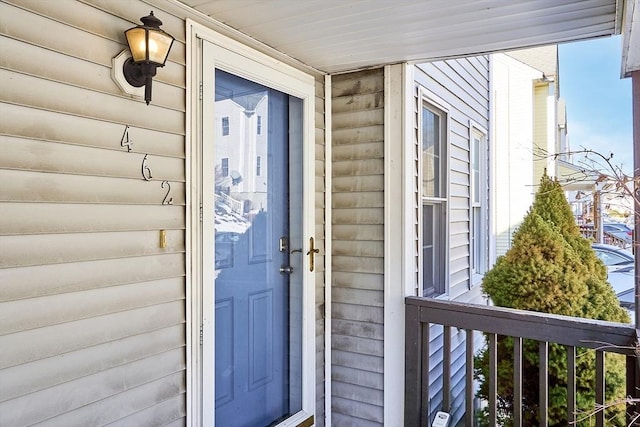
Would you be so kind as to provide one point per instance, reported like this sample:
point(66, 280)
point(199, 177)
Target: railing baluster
point(493, 379)
point(571, 384)
point(469, 414)
point(517, 381)
point(544, 384)
point(633, 390)
point(425, 410)
point(446, 370)
point(413, 366)
point(600, 388)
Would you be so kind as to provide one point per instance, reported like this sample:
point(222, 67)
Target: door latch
point(286, 269)
point(312, 252)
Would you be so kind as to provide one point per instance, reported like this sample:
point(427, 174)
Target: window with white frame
point(225, 166)
point(433, 149)
point(225, 126)
point(478, 170)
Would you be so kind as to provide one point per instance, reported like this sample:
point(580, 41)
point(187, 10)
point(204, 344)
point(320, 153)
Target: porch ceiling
point(338, 35)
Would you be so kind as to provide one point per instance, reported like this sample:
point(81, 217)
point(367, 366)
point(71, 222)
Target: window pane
point(225, 126)
point(433, 248)
point(476, 169)
point(431, 168)
point(477, 240)
point(428, 283)
point(225, 166)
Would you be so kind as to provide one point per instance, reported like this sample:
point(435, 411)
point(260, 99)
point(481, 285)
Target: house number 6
point(146, 172)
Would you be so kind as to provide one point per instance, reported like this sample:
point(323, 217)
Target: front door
point(253, 174)
point(255, 339)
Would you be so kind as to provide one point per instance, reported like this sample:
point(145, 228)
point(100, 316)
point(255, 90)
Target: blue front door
point(257, 334)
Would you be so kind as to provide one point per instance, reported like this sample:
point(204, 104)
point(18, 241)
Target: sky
point(599, 115)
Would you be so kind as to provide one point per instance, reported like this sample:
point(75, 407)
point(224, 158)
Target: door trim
point(207, 50)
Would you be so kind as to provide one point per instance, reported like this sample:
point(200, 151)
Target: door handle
point(312, 252)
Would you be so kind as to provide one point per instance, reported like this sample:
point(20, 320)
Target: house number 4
point(125, 141)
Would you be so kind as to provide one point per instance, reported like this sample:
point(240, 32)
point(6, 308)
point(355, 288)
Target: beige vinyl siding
point(357, 248)
point(92, 310)
point(463, 85)
point(320, 233)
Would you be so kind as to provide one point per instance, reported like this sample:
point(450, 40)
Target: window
point(259, 126)
point(225, 166)
point(433, 148)
point(258, 166)
point(225, 126)
point(478, 170)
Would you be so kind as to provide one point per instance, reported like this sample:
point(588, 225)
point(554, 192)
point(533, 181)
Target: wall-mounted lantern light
point(149, 47)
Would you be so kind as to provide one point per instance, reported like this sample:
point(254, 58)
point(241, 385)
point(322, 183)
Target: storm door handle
point(312, 252)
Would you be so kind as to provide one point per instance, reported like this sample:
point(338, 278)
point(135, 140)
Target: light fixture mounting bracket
point(133, 73)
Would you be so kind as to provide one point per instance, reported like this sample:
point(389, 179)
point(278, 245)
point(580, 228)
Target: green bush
point(551, 268)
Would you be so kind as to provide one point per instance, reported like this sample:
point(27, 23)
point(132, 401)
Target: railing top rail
point(609, 336)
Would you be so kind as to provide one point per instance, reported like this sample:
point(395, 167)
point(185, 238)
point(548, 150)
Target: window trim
point(477, 131)
point(428, 99)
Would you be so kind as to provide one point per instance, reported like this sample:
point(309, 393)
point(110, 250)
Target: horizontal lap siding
point(92, 310)
point(357, 248)
point(320, 242)
point(463, 84)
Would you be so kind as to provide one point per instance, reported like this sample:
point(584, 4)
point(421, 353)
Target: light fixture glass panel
point(159, 45)
point(135, 39)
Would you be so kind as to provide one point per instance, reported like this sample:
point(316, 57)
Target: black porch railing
point(573, 333)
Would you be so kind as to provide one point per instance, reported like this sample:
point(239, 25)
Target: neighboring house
point(530, 127)
point(151, 276)
point(512, 125)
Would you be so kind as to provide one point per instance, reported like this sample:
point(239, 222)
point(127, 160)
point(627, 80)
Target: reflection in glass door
point(258, 296)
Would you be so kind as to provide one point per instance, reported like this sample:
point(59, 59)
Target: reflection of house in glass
point(241, 170)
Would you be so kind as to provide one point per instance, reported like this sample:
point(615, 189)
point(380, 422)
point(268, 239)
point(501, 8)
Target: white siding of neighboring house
point(358, 248)
point(92, 310)
point(547, 136)
point(513, 136)
point(463, 84)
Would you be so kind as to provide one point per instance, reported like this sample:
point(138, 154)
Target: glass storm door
point(258, 229)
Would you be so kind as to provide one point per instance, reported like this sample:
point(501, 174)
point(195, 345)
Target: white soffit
point(342, 35)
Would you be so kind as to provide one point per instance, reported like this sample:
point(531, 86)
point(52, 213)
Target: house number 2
point(167, 200)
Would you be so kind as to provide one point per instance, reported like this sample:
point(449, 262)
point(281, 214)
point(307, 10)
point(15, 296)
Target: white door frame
point(207, 50)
